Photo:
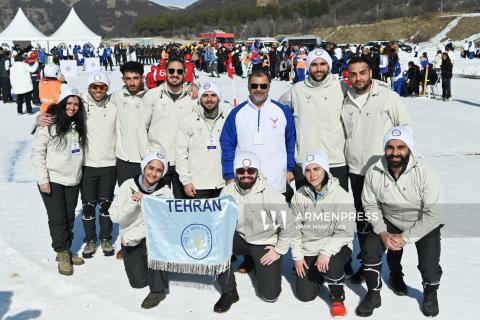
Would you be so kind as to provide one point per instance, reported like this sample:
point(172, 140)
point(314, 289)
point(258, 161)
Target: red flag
point(230, 65)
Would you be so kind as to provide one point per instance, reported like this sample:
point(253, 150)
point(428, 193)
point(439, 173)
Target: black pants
point(172, 179)
point(97, 187)
point(428, 251)
point(363, 227)
point(27, 97)
point(307, 288)
point(108, 61)
point(268, 278)
point(35, 93)
point(446, 88)
point(139, 275)
point(341, 173)
point(127, 170)
point(6, 89)
point(208, 193)
point(60, 205)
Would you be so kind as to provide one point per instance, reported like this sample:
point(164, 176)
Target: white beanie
point(403, 133)
point(210, 86)
point(319, 53)
point(67, 90)
point(246, 160)
point(51, 70)
point(318, 157)
point(156, 155)
point(98, 76)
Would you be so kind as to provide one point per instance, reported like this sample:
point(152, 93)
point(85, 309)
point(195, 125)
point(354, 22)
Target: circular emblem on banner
point(97, 77)
point(197, 241)
point(206, 86)
point(310, 157)
point(396, 133)
point(75, 92)
point(160, 156)
point(318, 52)
point(246, 162)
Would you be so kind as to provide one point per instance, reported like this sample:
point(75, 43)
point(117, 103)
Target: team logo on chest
point(385, 187)
point(308, 98)
point(274, 122)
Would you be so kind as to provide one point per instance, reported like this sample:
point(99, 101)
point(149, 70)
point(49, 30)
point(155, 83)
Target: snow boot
point(153, 299)
point(65, 266)
point(371, 301)
point(397, 284)
point(430, 301)
point(89, 249)
point(337, 309)
point(76, 260)
point(107, 247)
point(226, 300)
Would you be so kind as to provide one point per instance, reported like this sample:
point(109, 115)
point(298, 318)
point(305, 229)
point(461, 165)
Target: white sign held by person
point(68, 68)
point(92, 64)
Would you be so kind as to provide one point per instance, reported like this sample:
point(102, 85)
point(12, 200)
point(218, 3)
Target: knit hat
point(319, 53)
point(98, 76)
point(210, 86)
point(318, 157)
point(51, 70)
point(403, 133)
point(246, 160)
point(67, 90)
point(156, 155)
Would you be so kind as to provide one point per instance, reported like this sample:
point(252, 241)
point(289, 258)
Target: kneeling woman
point(126, 210)
point(57, 156)
point(323, 238)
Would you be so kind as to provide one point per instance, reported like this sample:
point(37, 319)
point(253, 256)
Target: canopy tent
point(21, 29)
point(74, 31)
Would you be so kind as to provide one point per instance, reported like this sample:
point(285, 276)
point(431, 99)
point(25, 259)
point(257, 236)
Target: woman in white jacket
point(127, 211)
point(322, 244)
point(57, 156)
point(21, 82)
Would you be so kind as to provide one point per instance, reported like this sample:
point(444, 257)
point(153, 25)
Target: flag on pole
point(230, 66)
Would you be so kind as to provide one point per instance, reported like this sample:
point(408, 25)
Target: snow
point(447, 137)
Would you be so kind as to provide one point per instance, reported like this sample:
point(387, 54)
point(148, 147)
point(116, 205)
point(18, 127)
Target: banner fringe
point(196, 269)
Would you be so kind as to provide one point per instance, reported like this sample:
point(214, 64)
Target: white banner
point(68, 68)
point(92, 64)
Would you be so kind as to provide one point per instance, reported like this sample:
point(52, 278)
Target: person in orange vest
point(301, 64)
point(161, 75)
point(189, 68)
point(49, 86)
point(150, 78)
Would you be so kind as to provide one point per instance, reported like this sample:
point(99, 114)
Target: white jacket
point(101, 126)
point(56, 163)
point(163, 118)
point(254, 228)
point(320, 226)
point(20, 77)
point(131, 127)
point(365, 126)
point(411, 203)
point(318, 119)
point(197, 160)
point(129, 214)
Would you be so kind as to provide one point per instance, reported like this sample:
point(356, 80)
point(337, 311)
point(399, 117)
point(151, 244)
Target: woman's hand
point(137, 196)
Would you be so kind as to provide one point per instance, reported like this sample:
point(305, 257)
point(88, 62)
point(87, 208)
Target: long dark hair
point(63, 123)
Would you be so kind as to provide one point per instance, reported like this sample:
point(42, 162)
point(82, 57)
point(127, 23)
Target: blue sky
point(177, 3)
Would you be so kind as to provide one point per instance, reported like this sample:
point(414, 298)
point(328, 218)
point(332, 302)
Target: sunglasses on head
point(102, 87)
point(247, 170)
point(172, 71)
point(256, 85)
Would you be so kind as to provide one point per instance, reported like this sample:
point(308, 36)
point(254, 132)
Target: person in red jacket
point(150, 78)
point(189, 68)
point(161, 72)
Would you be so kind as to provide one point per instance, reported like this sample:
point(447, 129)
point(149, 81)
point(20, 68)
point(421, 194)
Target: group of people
point(180, 140)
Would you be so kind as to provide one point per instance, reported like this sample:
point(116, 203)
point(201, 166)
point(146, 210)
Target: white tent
point(21, 29)
point(74, 31)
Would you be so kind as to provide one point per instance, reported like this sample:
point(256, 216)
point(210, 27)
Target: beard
point(320, 78)
point(364, 87)
point(258, 99)
point(246, 183)
point(397, 161)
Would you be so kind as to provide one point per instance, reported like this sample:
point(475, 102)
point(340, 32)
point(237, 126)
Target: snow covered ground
point(447, 137)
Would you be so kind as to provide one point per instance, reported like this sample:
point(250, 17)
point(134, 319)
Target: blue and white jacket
point(274, 121)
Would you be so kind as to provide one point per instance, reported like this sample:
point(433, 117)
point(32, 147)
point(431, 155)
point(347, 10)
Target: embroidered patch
point(396, 133)
point(310, 157)
point(246, 162)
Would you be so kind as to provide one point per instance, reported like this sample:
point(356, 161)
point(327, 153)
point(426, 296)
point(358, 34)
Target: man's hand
point(387, 241)
point(45, 188)
point(398, 241)
point(301, 268)
point(322, 263)
point(270, 257)
point(190, 190)
point(290, 177)
point(193, 91)
point(136, 196)
point(45, 120)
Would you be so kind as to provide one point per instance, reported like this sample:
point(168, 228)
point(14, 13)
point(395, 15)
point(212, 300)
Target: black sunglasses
point(262, 85)
point(172, 71)
point(247, 170)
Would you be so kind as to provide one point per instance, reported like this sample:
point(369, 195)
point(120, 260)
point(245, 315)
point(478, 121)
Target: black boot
point(371, 301)
point(430, 301)
point(153, 299)
point(226, 301)
point(359, 276)
point(397, 284)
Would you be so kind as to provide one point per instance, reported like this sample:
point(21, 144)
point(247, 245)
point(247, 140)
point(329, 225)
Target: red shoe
point(338, 309)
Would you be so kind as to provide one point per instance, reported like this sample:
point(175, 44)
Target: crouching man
point(401, 196)
point(264, 229)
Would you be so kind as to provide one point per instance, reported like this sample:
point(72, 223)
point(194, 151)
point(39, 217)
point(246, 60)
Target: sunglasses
point(172, 71)
point(247, 170)
point(256, 85)
point(102, 87)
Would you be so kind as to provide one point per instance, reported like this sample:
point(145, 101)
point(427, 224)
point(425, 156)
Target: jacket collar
point(253, 106)
point(140, 94)
point(382, 165)
point(258, 187)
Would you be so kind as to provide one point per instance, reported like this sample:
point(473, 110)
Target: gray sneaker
point(65, 266)
point(89, 250)
point(76, 260)
point(107, 247)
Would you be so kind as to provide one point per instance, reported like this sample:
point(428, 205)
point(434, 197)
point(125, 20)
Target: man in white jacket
point(369, 110)
point(197, 152)
point(401, 196)
point(21, 82)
